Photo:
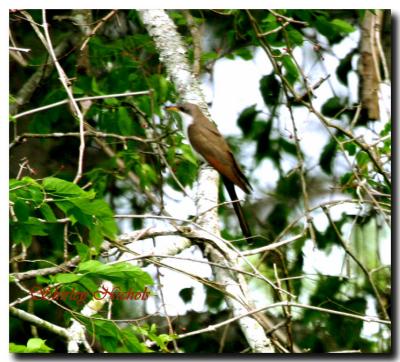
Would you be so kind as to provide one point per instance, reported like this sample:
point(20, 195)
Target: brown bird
point(206, 140)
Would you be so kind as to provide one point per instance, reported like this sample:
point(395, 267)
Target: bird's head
point(185, 107)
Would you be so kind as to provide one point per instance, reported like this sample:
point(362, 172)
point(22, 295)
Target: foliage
point(34, 345)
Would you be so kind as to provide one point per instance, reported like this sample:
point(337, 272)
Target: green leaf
point(327, 156)
point(122, 274)
point(244, 53)
point(108, 227)
point(344, 68)
point(148, 174)
point(270, 88)
point(288, 147)
point(125, 122)
point(83, 250)
point(96, 207)
point(278, 217)
point(185, 171)
point(131, 342)
point(114, 339)
point(64, 188)
point(22, 210)
point(289, 187)
point(246, 119)
point(350, 147)
point(295, 37)
point(26, 189)
point(362, 158)
point(346, 178)
point(188, 154)
point(95, 236)
point(65, 278)
point(264, 144)
point(342, 26)
point(332, 107)
point(207, 56)
point(17, 348)
point(34, 345)
point(151, 332)
point(325, 28)
point(22, 232)
point(48, 213)
point(186, 294)
point(292, 74)
point(76, 214)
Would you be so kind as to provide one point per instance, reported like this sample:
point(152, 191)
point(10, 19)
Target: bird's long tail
point(237, 207)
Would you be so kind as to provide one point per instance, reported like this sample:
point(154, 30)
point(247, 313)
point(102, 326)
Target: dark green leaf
point(288, 147)
point(124, 122)
point(270, 88)
point(327, 156)
point(264, 148)
point(289, 187)
point(246, 119)
point(350, 147)
point(295, 37)
point(22, 210)
point(278, 217)
point(346, 178)
point(244, 53)
point(344, 68)
point(332, 107)
point(186, 294)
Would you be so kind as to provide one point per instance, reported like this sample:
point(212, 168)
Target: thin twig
point(163, 304)
point(214, 327)
point(22, 137)
point(101, 22)
point(288, 19)
point(16, 49)
point(358, 262)
point(274, 30)
point(65, 101)
point(65, 82)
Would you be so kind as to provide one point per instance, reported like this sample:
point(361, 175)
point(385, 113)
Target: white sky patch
point(173, 282)
point(317, 261)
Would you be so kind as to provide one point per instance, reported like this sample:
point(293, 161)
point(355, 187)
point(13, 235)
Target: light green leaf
point(64, 188)
point(342, 26)
point(48, 213)
point(65, 278)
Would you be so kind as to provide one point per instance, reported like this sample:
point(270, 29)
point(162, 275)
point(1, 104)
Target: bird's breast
point(187, 121)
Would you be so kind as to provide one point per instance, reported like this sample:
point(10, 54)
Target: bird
point(208, 142)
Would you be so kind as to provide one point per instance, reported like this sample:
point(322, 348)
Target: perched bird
point(208, 142)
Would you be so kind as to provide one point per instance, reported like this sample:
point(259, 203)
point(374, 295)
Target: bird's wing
point(221, 157)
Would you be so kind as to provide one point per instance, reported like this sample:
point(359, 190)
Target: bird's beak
point(173, 108)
